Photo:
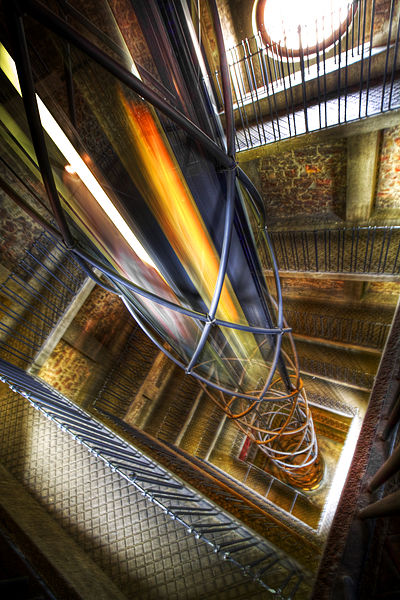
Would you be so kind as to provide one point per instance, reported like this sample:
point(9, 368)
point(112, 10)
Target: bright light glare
point(317, 19)
point(339, 477)
point(76, 164)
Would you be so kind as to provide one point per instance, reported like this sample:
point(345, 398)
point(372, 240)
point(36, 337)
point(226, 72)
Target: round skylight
point(309, 25)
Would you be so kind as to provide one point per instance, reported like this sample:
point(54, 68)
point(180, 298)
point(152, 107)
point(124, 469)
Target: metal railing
point(113, 401)
point(271, 485)
point(226, 490)
point(338, 373)
point(257, 558)
point(279, 93)
point(35, 296)
point(371, 250)
point(115, 394)
point(272, 482)
point(358, 332)
point(363, 570)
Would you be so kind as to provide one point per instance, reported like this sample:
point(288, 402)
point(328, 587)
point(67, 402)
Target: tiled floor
point(144, 552)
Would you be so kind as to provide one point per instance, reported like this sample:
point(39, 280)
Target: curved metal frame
point(260, 425)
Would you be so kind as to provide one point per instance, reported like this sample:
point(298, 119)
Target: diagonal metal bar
point(211, 525)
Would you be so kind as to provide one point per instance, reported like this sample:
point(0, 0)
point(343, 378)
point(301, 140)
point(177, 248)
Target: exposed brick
point(67, 370)
point(305, 181)
point(388, 184)
point(382, 11)
point(132, 34)
point(102, 316)
point(300, 286)
point(385, 287)
point(18, 232)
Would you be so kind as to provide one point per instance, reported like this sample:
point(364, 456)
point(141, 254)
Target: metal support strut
point(276, 417)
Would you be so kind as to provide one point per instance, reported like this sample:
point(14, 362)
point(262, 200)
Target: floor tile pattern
point(144, 552)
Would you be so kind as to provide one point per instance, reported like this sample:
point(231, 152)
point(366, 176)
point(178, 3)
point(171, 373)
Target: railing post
point(303, 82)
point(389, 468)
point(316, 250)
point(388, 506)
point(394, 417)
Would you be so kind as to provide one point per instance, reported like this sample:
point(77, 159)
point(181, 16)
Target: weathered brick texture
point(305, 181)
point(388, 184)
point(102, 316)
point(17, 232)
point(384, 288)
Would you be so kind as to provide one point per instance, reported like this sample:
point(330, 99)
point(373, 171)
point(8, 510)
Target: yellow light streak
point(166, 192)
point(57, 135)
point(176, 211)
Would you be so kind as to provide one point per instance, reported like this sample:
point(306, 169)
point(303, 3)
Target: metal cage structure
point(245, 356)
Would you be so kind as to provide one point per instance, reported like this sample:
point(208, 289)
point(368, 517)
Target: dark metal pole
point(69, 81)
point(30, 211)
point(58, 26)
point(388, 506)
point(259, 206)
point(394, 417)
point(135, 288)
point(226, 84)
point(93, 276)
point(228, 225)
point(303, 79)
point(32, 111)
point(230, 200)
point(389, 468)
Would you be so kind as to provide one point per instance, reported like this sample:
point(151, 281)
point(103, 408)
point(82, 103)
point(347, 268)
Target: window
point(302, 26)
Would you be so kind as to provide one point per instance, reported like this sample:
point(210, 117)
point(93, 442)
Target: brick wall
point(67, 370)
point(17, 232)
point(132, 33)
point(388, 184)
point(102, 316)
point(305, 182)
point(381, 21)
point(384, 289)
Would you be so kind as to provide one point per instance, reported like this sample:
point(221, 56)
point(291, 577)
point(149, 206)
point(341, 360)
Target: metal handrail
point(229, 539)
point(360, 332)
point(278, 95)
point(364, 249)
point(39, 290)
point(340, 373)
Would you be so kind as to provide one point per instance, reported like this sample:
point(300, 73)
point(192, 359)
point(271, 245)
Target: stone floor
point(146, 554)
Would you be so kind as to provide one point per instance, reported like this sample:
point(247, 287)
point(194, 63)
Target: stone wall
point(388, 184)
point(17, 232)
point(307, 181)
point(383, 292)
point(102, 316)
point(67, 370)
point(93, 346)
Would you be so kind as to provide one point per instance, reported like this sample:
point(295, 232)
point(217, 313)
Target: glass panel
point(149, 200)
point(18, 170)
point(178, 333)
point(237, 359)
point(304, 25)
point(263, 258)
